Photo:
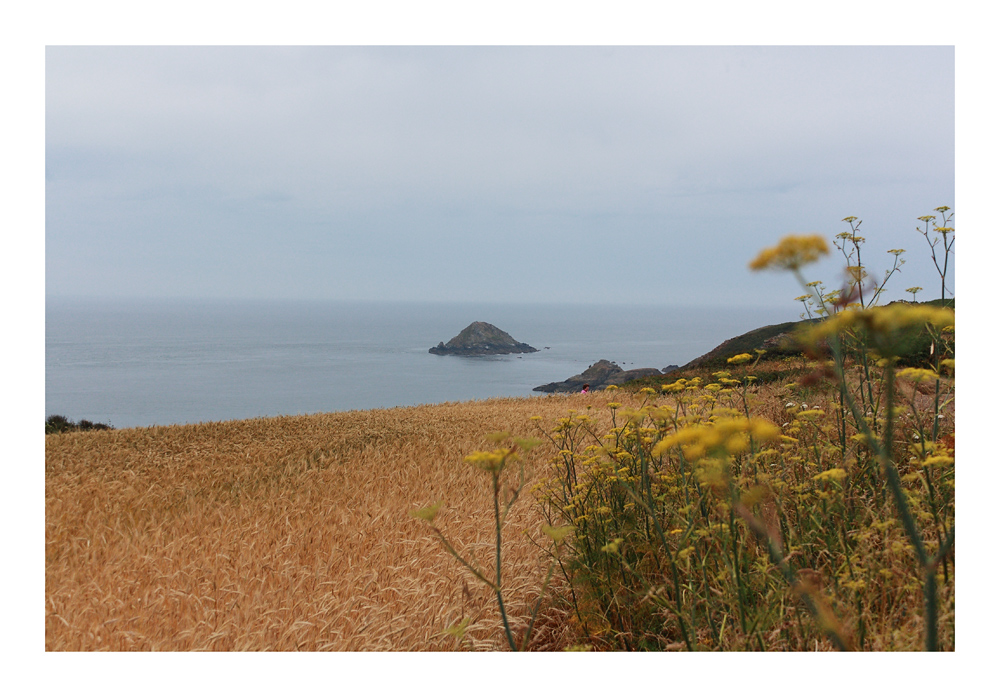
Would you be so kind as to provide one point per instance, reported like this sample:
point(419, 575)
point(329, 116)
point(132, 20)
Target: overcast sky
point(623, 175)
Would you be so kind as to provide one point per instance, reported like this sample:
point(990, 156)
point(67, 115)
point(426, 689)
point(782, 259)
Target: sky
point(587, 174)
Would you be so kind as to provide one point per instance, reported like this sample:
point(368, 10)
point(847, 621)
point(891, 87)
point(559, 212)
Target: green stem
point(774, 552)
point(496, 516)
point(470, 567)
point(670, 559)
point(740, 593)
point(937, 405)
point(884, 451)
point(930, 609)
point(892, 475)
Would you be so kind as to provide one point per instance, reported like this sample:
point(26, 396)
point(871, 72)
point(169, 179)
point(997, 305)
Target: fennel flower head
point(791, 253)
point(490, 461)
point(720, 438)
point(884, 326)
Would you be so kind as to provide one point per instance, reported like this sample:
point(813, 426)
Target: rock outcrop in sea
point(481, 339)
point(598, 376)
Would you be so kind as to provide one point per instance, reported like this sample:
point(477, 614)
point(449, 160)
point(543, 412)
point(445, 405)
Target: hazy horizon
point(529, 302)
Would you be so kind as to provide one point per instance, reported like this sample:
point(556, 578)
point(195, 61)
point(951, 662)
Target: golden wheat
point(289, 533)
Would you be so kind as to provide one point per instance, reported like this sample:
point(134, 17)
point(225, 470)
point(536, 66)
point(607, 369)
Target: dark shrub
point(60, 424)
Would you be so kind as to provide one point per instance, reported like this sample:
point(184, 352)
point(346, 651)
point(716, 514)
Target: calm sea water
point(171, 362)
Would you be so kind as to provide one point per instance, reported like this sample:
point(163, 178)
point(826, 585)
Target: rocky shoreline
point(598, 376)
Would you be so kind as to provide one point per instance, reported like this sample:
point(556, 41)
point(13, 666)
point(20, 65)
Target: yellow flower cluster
point(558, 534)
point(489, 461)
point(683, 384)
point(832, 475)
point(791, 253)
point(427, 513)
point(740, 358)
point(883, 325)
point(917, 374)
point(724, 437)
point(612, 547)
point(937, 460)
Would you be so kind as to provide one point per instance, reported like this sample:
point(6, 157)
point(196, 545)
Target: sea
point(137, 363)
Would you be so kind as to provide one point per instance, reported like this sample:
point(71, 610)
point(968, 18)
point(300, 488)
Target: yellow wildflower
point(884, 326)
point(937, 460)
point(755, 495)
point(725, 436)
point(612, 547)
point(737, 443)
point(832, 475)
point(764, 430)
point(527, 444)
point(427, 513)
point(917, 374)
point(791, 253)
point(557, 534)
point(489, 461)
point(458, 630)
point(634, 416)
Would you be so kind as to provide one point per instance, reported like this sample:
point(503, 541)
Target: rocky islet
point(481, 339)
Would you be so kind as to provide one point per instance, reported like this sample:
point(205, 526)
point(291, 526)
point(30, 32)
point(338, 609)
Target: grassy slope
point(918, 348)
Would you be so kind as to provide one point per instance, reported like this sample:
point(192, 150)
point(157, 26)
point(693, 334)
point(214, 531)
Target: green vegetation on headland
point(785, 341)
point(60, 424)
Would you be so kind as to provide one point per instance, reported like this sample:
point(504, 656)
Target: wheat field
point(291, 533)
